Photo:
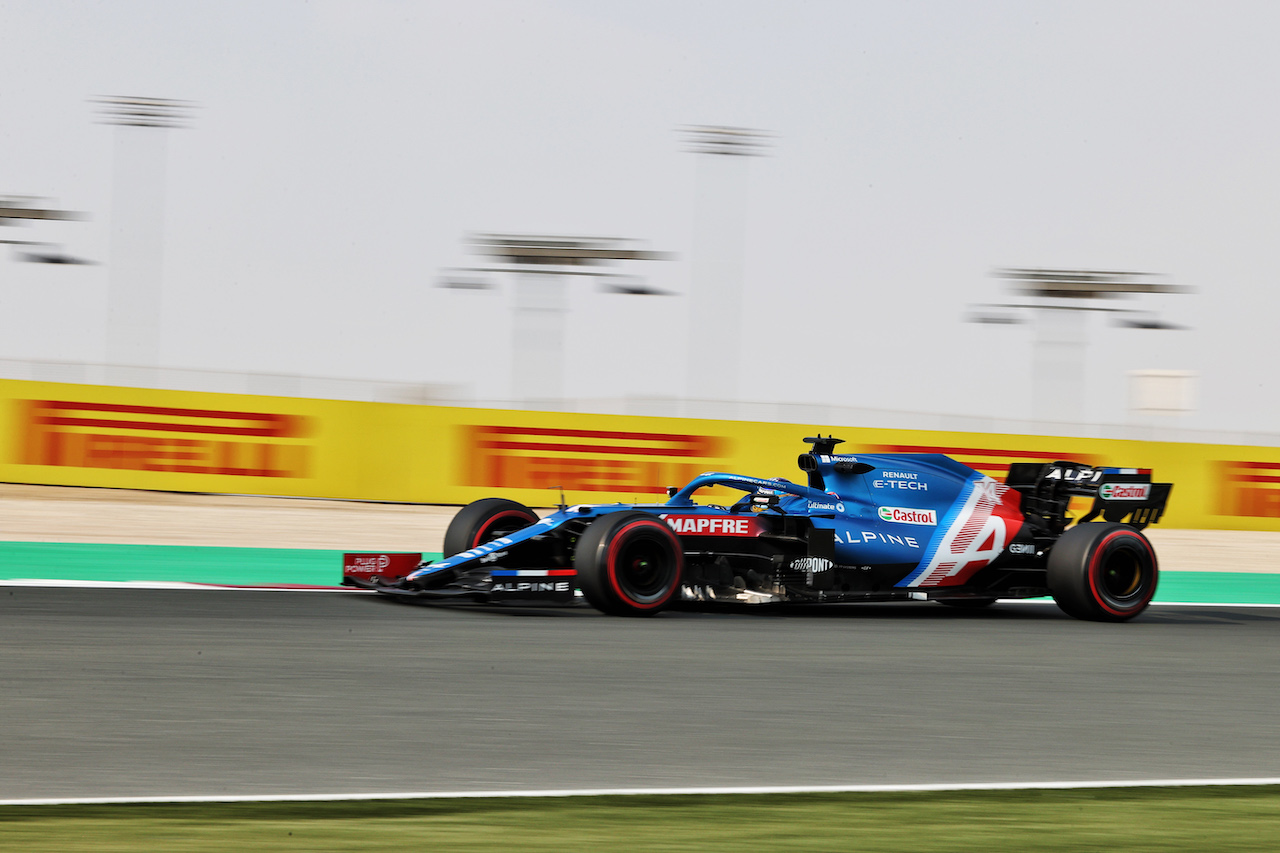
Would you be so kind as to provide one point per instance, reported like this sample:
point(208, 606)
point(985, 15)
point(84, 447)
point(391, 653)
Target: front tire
point(484, 521)
point(629, 564)
point(1103, 572)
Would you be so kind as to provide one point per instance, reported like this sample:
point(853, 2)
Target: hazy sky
point(342, 151)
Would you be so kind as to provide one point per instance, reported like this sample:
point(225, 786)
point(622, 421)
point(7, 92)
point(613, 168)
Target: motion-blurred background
point(788, 211)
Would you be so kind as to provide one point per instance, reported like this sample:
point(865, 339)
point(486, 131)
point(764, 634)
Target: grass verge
point(1142, 819)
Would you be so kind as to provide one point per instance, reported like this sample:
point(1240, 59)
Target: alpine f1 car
point(861, 528)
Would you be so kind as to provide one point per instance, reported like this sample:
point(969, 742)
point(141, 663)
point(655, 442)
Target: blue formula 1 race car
point(862, 528)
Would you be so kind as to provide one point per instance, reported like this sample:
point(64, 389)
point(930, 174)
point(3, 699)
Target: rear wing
point(1119, 494)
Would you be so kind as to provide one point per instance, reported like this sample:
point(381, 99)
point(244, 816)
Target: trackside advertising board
point(84, 435)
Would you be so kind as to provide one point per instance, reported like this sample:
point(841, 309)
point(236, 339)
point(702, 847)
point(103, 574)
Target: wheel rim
point(643, 567)
point(1123, 577)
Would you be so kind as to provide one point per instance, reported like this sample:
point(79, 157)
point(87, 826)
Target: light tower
point(542, 266)
point(137, 225)
point(1060, 302)
point(719, 248)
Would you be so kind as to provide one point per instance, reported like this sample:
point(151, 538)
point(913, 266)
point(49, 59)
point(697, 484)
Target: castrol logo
point(1124, 491)
point(908, 516)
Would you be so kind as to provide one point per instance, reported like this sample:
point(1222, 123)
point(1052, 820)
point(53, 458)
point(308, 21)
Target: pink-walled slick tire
point(629, 564)
point(1103, 572)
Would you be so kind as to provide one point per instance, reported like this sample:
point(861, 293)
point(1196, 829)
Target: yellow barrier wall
point(85, 435)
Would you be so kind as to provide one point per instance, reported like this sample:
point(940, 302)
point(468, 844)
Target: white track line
point(85, 584)
point(932, 787)
point(74, 584)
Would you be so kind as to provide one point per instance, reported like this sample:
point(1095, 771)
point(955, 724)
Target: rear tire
point(1103, 572)
point(629, 564)
point(483, 521)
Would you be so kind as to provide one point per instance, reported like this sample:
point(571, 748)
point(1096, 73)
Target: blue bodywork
point(849, 508)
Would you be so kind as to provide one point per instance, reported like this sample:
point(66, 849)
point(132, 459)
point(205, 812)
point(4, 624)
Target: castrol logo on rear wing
point(710, 525)
point(1124, 491)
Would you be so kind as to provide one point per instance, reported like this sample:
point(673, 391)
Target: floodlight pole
point(716, 288)
point(1061, 302)
point(137, 225)
point(543, 266)
point(1059, 363)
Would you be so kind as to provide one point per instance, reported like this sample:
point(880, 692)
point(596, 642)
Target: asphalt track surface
point(138, 693)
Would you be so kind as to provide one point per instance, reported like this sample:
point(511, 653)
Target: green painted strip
point(1219, 587)
point(287, 566)
point(115, 563)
